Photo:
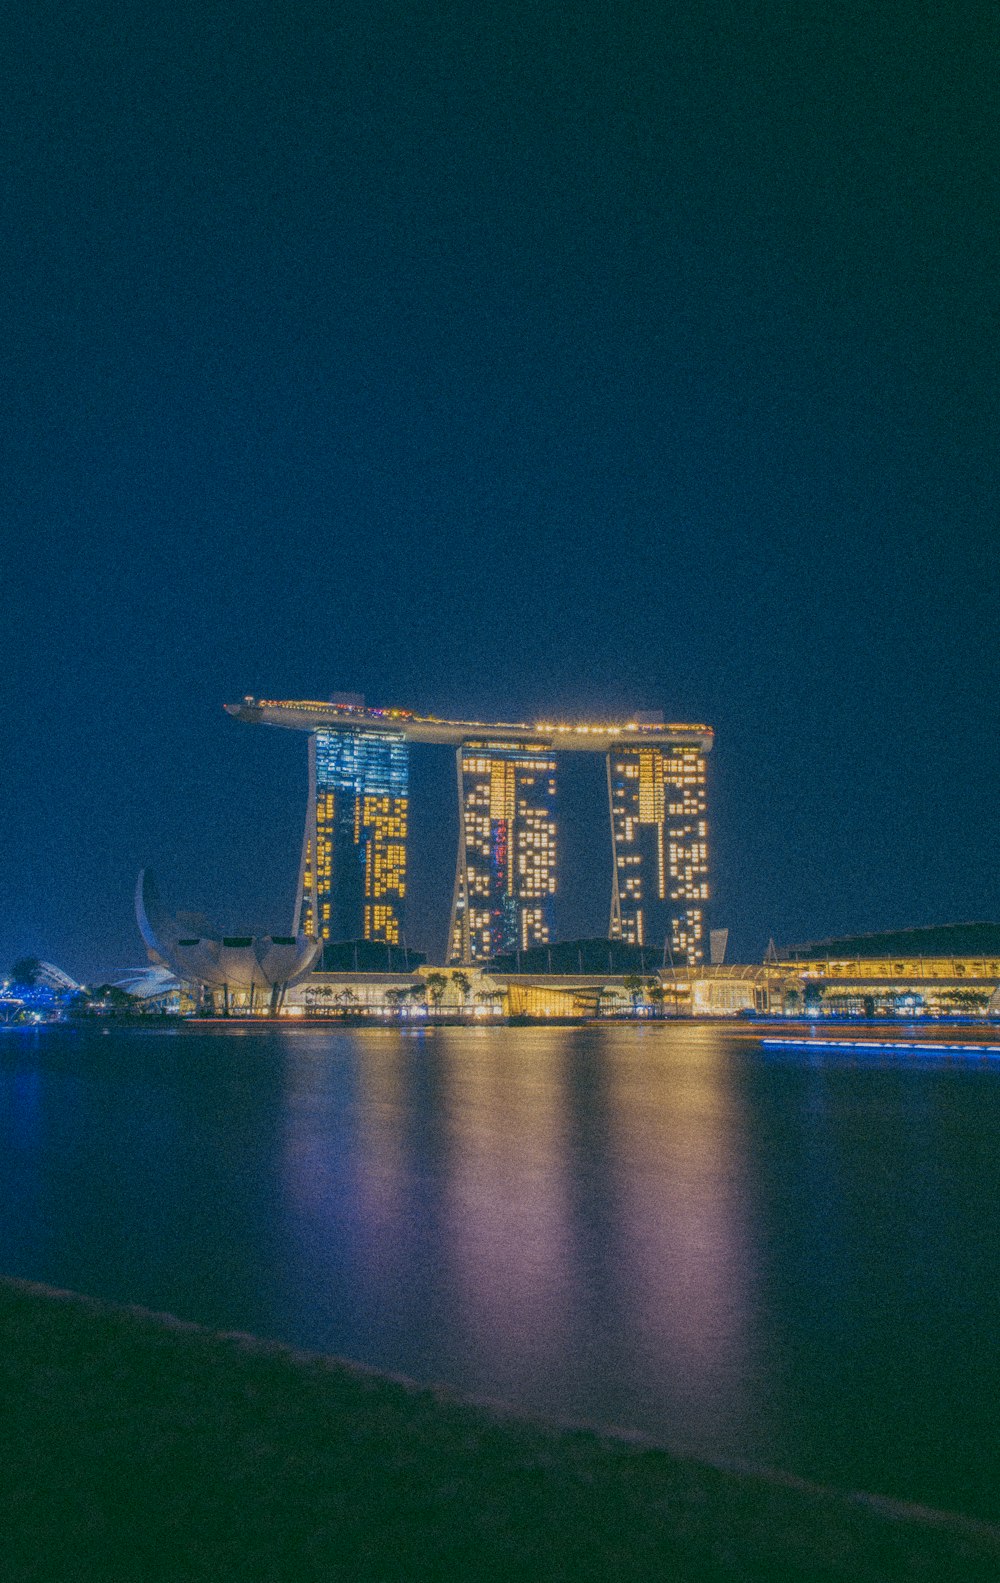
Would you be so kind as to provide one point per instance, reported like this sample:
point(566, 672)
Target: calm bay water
point(791, 1260)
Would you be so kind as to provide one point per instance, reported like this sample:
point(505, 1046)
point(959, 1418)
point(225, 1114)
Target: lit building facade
point(352, 880)
point(505, 876)
point(659, 835)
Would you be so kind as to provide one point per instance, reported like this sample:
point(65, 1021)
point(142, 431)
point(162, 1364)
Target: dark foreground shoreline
point(137, 1447)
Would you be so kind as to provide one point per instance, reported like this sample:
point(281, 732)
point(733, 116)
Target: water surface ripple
point(789, 1259)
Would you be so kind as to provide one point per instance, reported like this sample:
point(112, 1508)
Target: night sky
point(508, 360)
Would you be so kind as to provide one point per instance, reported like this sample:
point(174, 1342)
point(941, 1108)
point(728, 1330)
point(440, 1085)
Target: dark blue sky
point(516, 359)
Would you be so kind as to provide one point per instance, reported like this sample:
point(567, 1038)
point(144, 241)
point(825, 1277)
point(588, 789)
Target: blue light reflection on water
point(788, 1256)
point(893, 1049)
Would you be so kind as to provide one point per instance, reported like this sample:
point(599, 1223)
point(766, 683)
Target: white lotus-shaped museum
point(243, 967)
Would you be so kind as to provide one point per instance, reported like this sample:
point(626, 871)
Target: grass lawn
point(136, 1448)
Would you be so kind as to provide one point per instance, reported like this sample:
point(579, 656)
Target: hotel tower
point(352, 878)
point(659, 838)
point(505, 876)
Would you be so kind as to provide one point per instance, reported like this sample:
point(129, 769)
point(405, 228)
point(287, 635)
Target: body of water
point(784, 1257)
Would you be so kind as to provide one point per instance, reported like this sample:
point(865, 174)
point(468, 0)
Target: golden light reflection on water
point(682, 1190)
point(383, 1177)
point(537, 1206)
point(505, 1200)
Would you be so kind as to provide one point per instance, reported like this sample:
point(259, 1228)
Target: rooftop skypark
point(305, 714)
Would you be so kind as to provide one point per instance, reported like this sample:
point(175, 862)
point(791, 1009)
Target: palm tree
point(965, 999)
point(437, 983)
point(657, 995)
point(463, 984)
point(636, 987)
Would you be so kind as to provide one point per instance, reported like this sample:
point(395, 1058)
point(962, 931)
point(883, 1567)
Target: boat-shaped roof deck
point(560, 736)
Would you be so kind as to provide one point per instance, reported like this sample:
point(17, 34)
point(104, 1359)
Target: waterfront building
point(405, 997)
point(940, 970)
point(229, 972)
point(505, 875)
point(352, 879)
point(659, 835)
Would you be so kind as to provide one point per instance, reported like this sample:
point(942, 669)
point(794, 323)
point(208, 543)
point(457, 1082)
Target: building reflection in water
point(552, 1215)
point(506, 1202)
point(683, 1189)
